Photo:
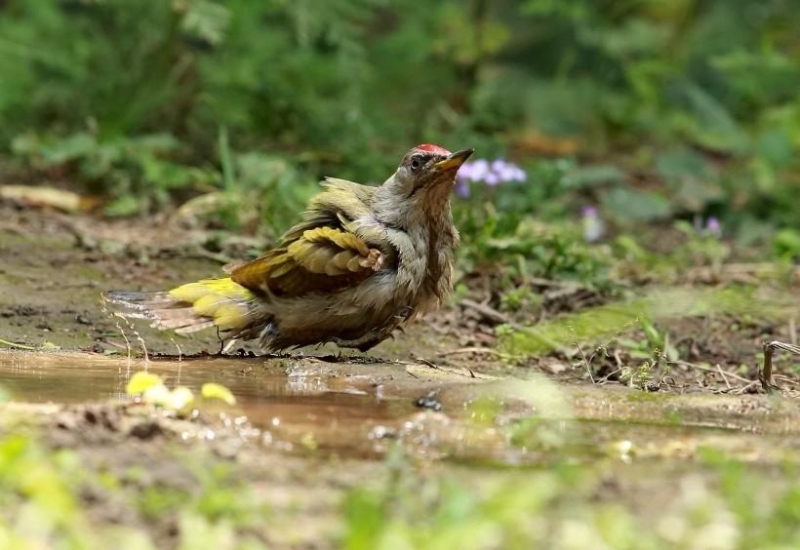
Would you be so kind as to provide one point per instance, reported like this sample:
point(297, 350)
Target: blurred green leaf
point(693, 181)
point(635, 205)
point(205, 20)
point(709, 122)
point(589, 176)
point(787, 243)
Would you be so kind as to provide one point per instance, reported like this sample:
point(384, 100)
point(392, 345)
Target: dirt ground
point(311, 427)
point(55, 268)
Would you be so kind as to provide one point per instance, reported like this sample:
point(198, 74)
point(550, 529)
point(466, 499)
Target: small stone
point(429, 401)
point(146, 430)
point(82, 319)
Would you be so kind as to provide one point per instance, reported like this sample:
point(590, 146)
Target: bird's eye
point(416, 163)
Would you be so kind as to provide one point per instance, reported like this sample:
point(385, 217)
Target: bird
point(362, 262)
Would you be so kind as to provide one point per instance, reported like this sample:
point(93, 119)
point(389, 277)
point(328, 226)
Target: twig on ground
point(724, 377)
point(485, 310)
point(411, 374)
point(607, 377)
point(617, 359)
point(783, 380)
point(428, 363)
point(485, 351)
point(15, 345)
point(718, 369)
point(744, 388)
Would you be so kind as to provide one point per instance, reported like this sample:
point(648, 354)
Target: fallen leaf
point(211, 390)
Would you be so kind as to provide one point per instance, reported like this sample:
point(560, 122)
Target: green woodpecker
point(362, 262)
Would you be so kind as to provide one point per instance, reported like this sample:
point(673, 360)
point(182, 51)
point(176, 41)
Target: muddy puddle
point(341, 406)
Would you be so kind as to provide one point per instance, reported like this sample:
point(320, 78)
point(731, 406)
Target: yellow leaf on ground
point(142, 381)
point(211, 390)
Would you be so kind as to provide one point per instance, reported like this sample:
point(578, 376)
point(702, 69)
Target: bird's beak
point(455, 160)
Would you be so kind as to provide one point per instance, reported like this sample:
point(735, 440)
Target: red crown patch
point(431, 148)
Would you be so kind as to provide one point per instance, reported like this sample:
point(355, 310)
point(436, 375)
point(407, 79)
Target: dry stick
point(428, 363)
point(487, 311)
point(745, 388)
point(765, 376)
point(722, 374)
point(710, 369)
point(618, 359)
point(15, 345)
point(603, 380)
point(488, 351)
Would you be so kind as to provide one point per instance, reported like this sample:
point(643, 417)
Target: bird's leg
point(221, 342)
point(224, 345)
point(229, 346)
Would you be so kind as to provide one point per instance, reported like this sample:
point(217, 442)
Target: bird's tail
point(191, 307)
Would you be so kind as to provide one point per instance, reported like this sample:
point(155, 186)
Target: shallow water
point(362, 409)
point(285, 396)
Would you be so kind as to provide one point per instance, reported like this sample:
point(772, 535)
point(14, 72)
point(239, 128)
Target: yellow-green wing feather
point(323, 259)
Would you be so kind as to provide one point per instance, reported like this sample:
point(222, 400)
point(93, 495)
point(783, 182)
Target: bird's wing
point(320, 254)
point(323, 259)
point(341, 202)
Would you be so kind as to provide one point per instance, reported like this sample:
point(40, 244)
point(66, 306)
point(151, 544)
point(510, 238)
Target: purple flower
point(462, 188)
point(713, 227)
point(498, 165)
point(489, 173)
point(491, 179)
point(593, 226)
point(478, 169)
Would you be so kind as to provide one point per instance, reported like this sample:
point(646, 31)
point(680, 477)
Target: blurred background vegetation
point(652, 112)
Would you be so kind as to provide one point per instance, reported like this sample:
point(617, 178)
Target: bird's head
point(423, 182)
point(430, 168)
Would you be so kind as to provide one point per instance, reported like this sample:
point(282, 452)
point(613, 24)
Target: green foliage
point(41, 491)
point(529, 248)
point(654, 111)
point(258, 193)
point(598, 324)
point(137, 172)
point(38, 487)
point(638, 377)
point(520, 298)
point(563, 507)
point(786, 243)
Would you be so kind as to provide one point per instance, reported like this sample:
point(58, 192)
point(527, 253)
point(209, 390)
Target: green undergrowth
point(51, 499)
point(649, 112)
point(569, 506)
point(48, 499)
point(594, 325)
